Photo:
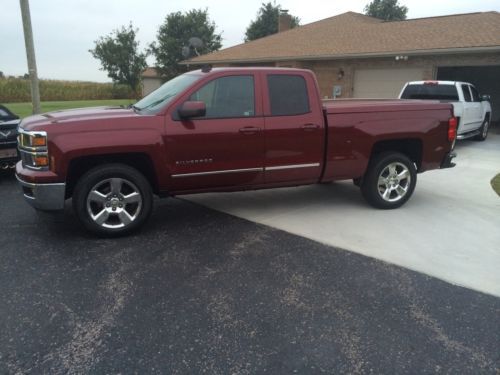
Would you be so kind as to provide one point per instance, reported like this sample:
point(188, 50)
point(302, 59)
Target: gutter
point(422, 52)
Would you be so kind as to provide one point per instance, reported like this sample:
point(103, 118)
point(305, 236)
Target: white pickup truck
point(472, 110)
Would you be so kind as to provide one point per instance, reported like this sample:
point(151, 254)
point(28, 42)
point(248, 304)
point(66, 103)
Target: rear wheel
point(112, 200)
point(483, 130)
point(389, 181)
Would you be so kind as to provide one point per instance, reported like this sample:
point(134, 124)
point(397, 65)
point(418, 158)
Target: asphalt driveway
point(449, 229)
point(199, 291)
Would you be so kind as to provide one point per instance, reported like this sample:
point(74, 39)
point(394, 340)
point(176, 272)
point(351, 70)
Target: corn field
point(15, 90)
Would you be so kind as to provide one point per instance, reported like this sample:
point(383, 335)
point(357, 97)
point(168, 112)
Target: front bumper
point(46, 197)
point(447, 161)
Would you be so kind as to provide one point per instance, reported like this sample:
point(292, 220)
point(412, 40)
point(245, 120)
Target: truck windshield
point(435, 92)
point(155, 101)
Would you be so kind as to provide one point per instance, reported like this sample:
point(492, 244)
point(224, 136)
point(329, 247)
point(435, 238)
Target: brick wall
point(327, 70)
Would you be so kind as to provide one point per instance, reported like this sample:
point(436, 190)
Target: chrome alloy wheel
point(114, 203)
point(394, 182)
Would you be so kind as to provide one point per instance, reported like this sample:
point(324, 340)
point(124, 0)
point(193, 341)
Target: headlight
point(32, 140)
point(33, 149)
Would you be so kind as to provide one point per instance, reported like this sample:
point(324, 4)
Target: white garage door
point(383, 83)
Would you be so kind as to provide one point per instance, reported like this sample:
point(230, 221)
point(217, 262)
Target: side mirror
point(485, 98)
point(192, 109)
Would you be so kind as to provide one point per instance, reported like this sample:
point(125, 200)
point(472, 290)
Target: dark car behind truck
point(227, 129)
point(8, 139)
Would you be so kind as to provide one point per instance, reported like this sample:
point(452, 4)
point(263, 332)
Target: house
point(151, 80)
point(356, 56)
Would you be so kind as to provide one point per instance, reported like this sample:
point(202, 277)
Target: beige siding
point(149, 85)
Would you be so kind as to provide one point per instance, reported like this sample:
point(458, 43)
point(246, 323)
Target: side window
point(231, 96)
point(287, 94)
point(465, 89)
point(475, 94)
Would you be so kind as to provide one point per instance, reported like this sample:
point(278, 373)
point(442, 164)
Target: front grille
point(8, 132)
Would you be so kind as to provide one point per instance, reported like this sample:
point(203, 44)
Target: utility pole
point(30, 54)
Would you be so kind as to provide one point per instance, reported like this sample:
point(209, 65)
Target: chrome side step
point(469, 134)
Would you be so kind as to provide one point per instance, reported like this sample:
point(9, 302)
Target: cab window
point(465, 89)
point(287, 94)
point(224, 97)
point(475, 94)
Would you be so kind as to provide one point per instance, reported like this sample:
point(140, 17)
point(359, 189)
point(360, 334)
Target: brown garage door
point(383, 83)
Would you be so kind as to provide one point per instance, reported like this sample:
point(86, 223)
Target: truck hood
point(76, 115)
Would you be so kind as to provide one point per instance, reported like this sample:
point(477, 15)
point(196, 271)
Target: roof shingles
point(356, 34)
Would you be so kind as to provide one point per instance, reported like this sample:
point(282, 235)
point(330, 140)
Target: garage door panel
point(383, 83)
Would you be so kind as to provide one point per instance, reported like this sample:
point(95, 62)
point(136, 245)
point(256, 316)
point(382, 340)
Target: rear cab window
point(431, 92)
point(475, 94)
point(467, 96)
point(288, 95)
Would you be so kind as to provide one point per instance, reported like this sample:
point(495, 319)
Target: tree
point(175, 33)
point(119, 56)
point(387, 10)
point(266, 22)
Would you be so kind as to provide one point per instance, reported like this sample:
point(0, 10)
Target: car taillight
point(452, 129)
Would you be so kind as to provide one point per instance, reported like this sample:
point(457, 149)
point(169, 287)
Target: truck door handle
point(310, 127)
point(250, 130)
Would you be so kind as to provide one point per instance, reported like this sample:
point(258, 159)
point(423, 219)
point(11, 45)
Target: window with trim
point(287, 94)
point(465, 89)
point(475, 94)
point(231, 96)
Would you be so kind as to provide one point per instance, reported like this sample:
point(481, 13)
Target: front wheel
point(483, 130)
point(112, 200)
point(389, 181)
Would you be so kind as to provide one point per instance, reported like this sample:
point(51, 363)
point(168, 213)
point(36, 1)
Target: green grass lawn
point(25, 109)
point(495, 183)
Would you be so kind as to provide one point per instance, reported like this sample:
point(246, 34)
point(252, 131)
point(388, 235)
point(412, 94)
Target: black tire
point(483, 130)
point(121, 196)
point(398, 187)
point(357, 181)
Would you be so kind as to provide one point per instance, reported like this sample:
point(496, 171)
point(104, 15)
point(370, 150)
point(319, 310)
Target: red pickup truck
point(227, 129)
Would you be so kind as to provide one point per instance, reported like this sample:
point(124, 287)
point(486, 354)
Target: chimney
point(284, 21)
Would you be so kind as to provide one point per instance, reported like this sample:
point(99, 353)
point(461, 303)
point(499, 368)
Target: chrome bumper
point(46, 197)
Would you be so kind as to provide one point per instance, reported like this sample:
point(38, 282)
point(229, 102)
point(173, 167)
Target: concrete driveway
point(450, 228)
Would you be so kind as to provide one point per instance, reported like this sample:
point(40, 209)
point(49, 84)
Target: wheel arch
point(411, 147)
point(139, 161)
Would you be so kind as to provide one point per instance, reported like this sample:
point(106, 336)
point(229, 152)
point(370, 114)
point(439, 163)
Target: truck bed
point(355, 127)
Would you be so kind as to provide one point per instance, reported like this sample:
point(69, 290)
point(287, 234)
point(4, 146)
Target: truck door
point(469, 114)
point(477, 108)
point(224, 148)
point(294, 129)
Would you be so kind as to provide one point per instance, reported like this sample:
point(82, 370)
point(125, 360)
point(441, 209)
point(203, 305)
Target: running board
point(469, 134)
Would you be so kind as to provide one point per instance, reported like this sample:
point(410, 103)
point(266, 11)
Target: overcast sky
point(65, 30)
